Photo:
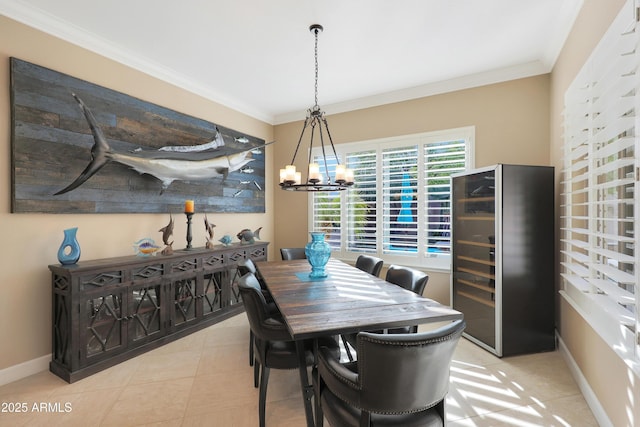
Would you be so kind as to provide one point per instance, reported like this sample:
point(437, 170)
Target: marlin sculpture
point(167, 164)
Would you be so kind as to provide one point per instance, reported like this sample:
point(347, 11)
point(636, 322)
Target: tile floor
point(205, 380)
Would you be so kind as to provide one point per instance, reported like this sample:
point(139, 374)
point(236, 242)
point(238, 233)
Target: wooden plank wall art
point(81, 148)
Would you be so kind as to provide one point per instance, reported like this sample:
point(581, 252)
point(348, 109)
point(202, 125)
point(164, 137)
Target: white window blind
point(399, 195)
point(399, 207)
point(444, 159)
point(326, 206)
point(361, 205)
point(598, 238)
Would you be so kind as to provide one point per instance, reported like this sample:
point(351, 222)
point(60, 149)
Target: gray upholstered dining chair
point(408, 278)
point(292, 253)
point(412, 280)
point(247, 266)
point(243, 267)
point(369, 264)
point(273, 345)
point(398, 380)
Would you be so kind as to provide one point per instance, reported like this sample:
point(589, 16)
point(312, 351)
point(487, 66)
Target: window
point(598, 238)
point(399, 206)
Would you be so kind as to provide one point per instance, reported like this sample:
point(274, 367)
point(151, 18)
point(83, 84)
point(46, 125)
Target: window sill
point(620, 341)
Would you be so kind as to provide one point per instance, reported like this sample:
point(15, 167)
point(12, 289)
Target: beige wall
point(512, 126)
point(615, 386)
point(516, 122)
point(30, 241)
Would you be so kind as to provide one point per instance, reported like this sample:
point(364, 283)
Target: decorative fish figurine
point(167, 231)
point(241, 139)
point(248, 236)
point(225, 240)
point(209, 228)
point(145, 247)
point(166, 166)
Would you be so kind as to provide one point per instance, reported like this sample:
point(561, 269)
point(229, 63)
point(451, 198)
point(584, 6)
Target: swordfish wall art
point(81, 148)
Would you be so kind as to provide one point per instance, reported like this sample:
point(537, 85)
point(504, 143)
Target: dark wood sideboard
point(109, 310)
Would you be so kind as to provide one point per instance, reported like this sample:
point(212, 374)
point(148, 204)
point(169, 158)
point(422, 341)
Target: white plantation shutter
point(441, 160)
point(327, 206)
point(361, 203)
point(598, 238)
point(399, 207)
point(399, 192)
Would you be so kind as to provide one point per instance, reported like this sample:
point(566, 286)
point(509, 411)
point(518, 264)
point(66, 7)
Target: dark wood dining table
point(347, 300)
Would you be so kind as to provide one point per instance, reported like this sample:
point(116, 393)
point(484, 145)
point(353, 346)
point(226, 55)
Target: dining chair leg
point(250, 348)
point(307, 389)
point(316, 394)
point(264, 379)
point(440, 407)
point(256, 373)
point(346, 347)
point(365, 419)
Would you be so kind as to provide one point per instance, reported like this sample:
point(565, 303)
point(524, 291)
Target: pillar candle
point(188, 206)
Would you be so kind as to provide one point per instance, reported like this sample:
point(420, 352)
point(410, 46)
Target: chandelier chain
point(316, 68)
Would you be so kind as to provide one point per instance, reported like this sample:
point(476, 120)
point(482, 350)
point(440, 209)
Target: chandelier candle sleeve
point(349, 175)
point(340, 173)
point(189, 206)
point(288, 174)
point(314, 173)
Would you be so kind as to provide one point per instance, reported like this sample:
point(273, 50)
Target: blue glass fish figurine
point(225, 240)
point(145, 247)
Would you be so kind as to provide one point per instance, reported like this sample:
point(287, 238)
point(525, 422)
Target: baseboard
point(23, 370)
point(593, 402)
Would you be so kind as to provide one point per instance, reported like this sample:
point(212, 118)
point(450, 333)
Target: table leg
point(316, 391)
point(307, 389)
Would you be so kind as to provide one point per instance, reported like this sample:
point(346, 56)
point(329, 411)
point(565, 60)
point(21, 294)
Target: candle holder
point(189, 236)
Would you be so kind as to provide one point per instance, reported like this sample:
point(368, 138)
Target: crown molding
point(465, 82)
point(49, 24)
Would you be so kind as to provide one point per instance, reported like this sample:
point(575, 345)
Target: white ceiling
point(256, 56)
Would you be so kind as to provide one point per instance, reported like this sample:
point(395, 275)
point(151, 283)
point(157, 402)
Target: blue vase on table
point(318, 252)
point(69, 252)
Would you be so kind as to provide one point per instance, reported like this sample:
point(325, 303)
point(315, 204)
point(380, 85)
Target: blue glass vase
point(69, 252)
point(318, 252)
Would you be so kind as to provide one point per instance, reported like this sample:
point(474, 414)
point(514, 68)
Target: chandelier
point(290, 179)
